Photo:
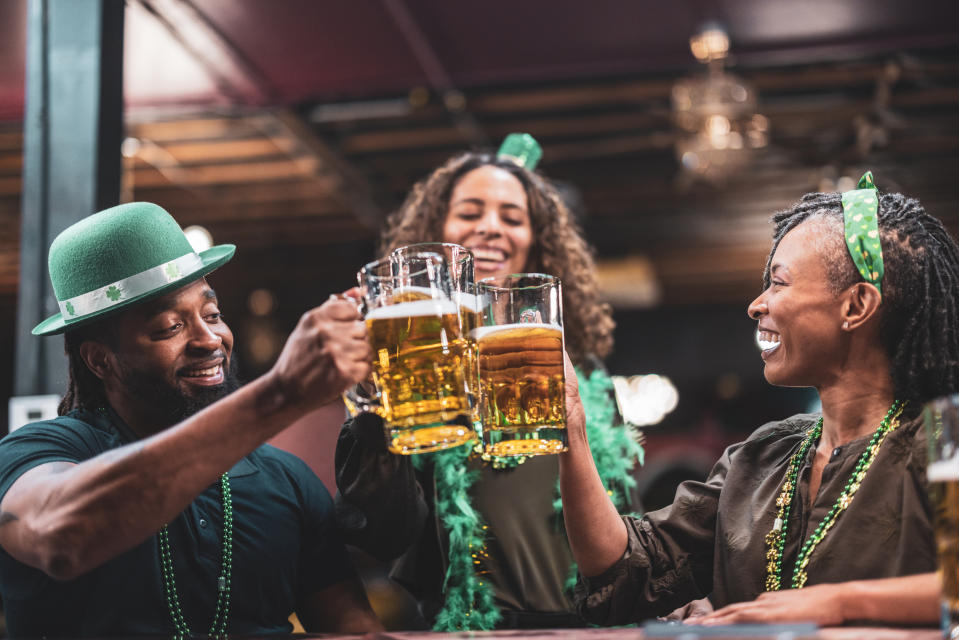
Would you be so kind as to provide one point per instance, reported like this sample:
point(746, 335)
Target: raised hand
point(326, 353)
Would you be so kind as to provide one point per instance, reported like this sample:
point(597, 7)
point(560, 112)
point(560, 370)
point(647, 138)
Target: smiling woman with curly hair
point(472, 559)
point(558, 249)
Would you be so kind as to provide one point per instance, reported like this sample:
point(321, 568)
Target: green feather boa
point(469, 603)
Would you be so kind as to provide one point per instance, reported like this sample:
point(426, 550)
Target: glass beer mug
point(520, 354)
point(459, 261)
point(419, 353)
point(941, 422)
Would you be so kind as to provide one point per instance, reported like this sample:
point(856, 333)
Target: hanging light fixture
point(716, 113)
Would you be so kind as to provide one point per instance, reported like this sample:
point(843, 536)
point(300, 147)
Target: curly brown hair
point(558, 248)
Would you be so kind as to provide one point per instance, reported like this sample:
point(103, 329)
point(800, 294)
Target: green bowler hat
point(120, 257)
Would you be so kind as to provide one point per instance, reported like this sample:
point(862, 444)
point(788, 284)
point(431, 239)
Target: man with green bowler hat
point(150, 506)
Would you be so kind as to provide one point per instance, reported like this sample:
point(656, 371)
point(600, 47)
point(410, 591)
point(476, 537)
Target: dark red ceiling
point(320, 49)
point(303, 50)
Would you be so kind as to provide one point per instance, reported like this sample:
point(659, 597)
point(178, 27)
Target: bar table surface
point(752, 632)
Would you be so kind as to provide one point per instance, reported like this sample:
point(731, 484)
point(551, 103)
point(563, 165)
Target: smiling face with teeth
point(171, 357)
point(799, 313)
point(489, 215)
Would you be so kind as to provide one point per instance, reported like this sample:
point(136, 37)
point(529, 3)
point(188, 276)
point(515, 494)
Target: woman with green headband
point(481, 542)
point(821, 517)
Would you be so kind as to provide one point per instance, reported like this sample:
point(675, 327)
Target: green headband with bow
point(860, 208)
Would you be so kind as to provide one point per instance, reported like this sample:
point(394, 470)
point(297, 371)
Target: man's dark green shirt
point(285, 546)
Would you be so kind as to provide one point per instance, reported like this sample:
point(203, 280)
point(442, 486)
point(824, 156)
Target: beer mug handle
point(362, 398)
point(359, 302)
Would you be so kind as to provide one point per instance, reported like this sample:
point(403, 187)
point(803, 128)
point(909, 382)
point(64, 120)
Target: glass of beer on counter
point(520, 355)
point(941, 417)
point(459, 261)
point(419, 352)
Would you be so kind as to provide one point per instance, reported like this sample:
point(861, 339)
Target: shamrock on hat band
point(129, 287)
point(860, 208)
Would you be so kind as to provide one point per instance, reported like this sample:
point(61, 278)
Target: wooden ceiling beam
point(246, 212)
point(295, 152)
point(349, 186)
point(210, 151)
point(233, 194)
point(935, 96)
point(583, 125)
point(195, 129)
point(423, 137)
point(403, 164)
point(586, 95)
point(786, 120)
point(232, 174)
point(576, 97)
point(578, 126)
point(844, 76)
point(617, 145)
point(283, 232)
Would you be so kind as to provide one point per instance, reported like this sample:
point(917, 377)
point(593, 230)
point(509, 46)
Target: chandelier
point(716, 113)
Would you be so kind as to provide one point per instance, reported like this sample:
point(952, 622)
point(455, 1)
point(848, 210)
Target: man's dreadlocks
point(84, 389)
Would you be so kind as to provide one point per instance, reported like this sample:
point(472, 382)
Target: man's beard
point(169, 404)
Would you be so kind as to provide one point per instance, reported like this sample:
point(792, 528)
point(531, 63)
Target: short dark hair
point(919, 325)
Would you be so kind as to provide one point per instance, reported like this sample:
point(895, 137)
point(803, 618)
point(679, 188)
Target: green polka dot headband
point(860, 208)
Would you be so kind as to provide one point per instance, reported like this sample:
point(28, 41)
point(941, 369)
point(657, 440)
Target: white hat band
point(130, 287)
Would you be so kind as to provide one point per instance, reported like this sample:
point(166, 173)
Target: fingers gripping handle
point(362, 397)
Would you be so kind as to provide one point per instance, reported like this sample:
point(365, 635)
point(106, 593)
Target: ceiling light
point(716, 113)
point(711, 43)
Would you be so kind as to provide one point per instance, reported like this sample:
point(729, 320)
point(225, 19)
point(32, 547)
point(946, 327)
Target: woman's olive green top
point(711, 540)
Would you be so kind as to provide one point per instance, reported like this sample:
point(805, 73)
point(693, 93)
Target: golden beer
point(469, 316)
point(944, 489)
point(419, 360)
point(522, 391)
point(469, 310)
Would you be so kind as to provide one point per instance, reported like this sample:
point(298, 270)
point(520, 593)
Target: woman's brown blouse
point(711, 540)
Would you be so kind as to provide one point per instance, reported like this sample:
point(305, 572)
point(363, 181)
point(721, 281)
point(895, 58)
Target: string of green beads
point(222, 613)
point(776, 538)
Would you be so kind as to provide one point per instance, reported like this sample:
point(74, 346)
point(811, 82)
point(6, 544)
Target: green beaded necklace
point(222, 613)
point(776, 538)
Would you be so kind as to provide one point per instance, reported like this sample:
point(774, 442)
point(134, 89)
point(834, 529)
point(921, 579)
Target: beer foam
point(481, 332)
point(421, 293)
point(415, 308)
point(943, 470)
point(471, 301)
